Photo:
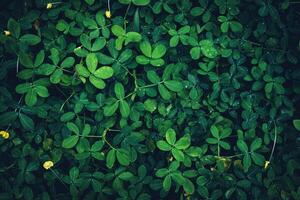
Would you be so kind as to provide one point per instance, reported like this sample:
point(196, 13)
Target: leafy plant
point(151, 55)
point(141, 99)
point(95, 75)
point(124, 37)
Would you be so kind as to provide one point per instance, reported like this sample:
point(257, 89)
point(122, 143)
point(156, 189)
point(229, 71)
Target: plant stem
point(18, 59)
point(66, 101)
point(275, 140)
point(108, 5)
point(59, 178)
point(104, 138)
point(91, 136)
point(151, 85)
point(126, 13)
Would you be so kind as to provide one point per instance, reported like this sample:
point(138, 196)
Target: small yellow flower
point(48, 164)
point(7, 33)
point(49, 5)
point(4, 134)
point(108, 14)
point(267, 163)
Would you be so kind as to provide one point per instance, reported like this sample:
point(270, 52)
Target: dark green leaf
point(70, 141)
point(26, 122)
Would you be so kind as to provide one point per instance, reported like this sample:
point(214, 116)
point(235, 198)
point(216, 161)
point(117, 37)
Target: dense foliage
point(141, 99)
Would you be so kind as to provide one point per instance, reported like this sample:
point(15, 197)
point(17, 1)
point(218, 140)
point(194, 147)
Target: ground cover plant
point(145, 99)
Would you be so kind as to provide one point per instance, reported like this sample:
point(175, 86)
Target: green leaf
point(68, 116)
point(195, 53)
point(109, 110)
point(171, 136)
point(14, 27)
point(124, 108)
point(296, 124)
point(98, 44)
point(256, 144)
point(42, 91)
point(25, 59)
point(31, 98)
point(236, 26)
point(136, 21)
point(141, 2)
point(184, 30)
point(165, 94)
point(86, 130)
point(62, 25)
point(157, 62)
point(174, 165)
point(125, 1)
point(174, 41)
point(150, 105)
point(214, 131)
point(132, 37)
point(178, 154)
point(104, 72)
point(117, 30)
point(212, 140)
point(90, 2)
point(7, 118)
point(194, 151)
point(123, 157)
point(90, 23)
point(91, 62)
point(208, 49)
point(178, 178)
point(142, 60)
point(72, 127)
point(224, 145)
point(97, 82)
point(159, 51)
point(258, 159)
point(162, 145)
point(26, 122)
point(183, 143)
point(56, 76)
point(167, 183)
point(85, 41)
point(246, 161)
point(188, 186)
point(70, 142)
point(161, 172)
point(45, 69)
point(30, 39)
point(111, 158)
point(54, 56)
point(74, 173)
point(39, 58)
point(68, 62)
point(119, 91)
point(242, 146)
point(100, 18)
point(119, 43)
point(146, 48)
point(225, 27)
point(125, 55)
point(125, 176)
point(173, 85)
point(23, 88)
point(97, 146)
point(269, 88)
point(153, 77)
point(82, 71)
